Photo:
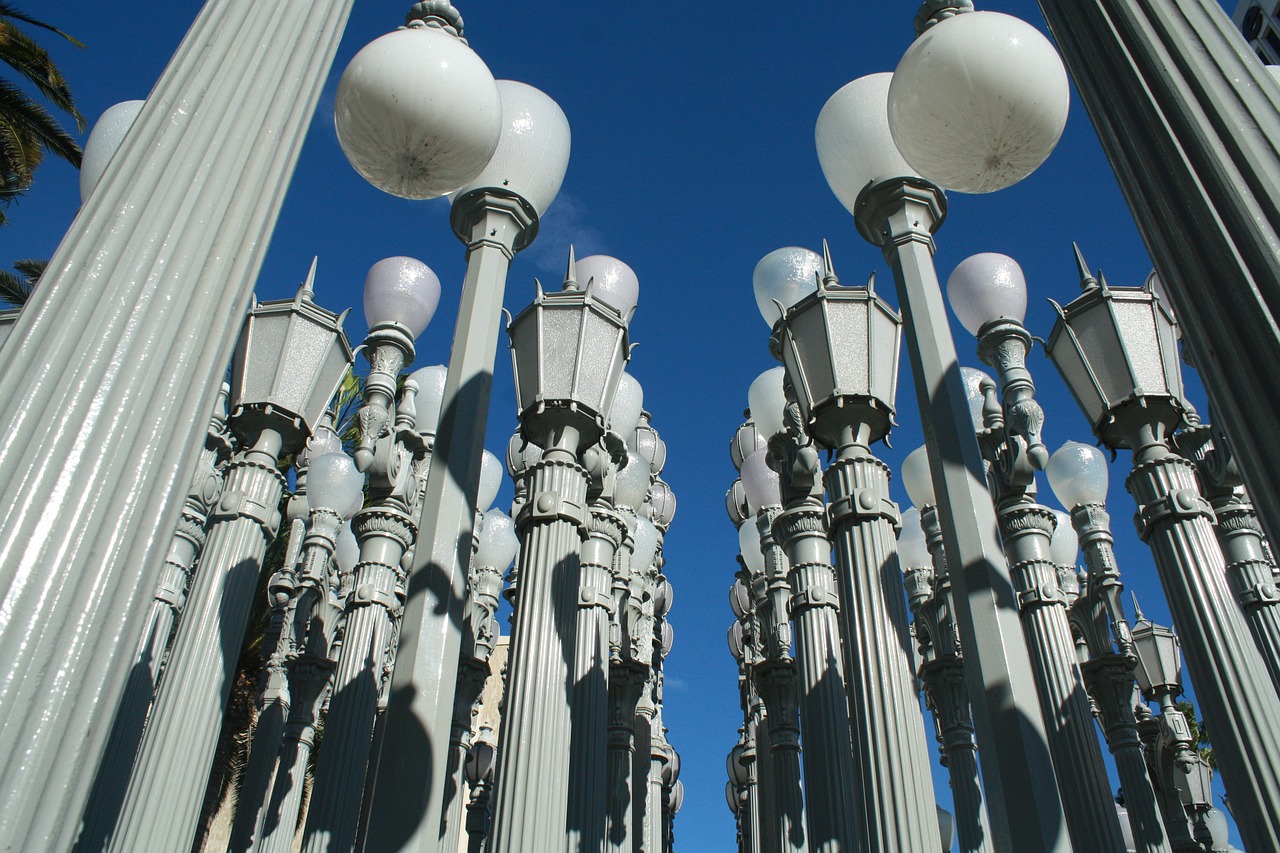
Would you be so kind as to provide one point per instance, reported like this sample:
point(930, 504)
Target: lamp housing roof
point(1116, 348)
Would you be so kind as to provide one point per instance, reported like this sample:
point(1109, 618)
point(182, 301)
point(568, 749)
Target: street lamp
point(898, 210)
point(496, 204)
point(1116, 349)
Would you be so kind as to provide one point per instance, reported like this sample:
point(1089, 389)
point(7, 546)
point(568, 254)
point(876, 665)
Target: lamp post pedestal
point(900, 216)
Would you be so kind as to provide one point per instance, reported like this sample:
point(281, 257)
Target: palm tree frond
point(28, 58)
point(27, 120)
point(7, 10)
point(15, 290)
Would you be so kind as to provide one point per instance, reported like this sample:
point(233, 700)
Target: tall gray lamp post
point(501, 150)
point(847, 405)
point(289, 362)
point(568, 349)
point(1190, 121)
point(899, 212)
point(1117, 351)
point(1078, 476)
point(988, 293)
point(124, 346)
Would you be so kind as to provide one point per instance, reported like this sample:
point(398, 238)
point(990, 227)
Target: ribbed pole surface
point(1087, 802)
point(894, 787)
point(1235, 693)
point(532, 780)
point(471, 679)
point(949, 696)
point(1250, 573)
point(824, 708)
point(588, 786)
point(311, 682)
point(333, 815)
point(625, 684)
point(163, 803)
point(118, 359)
point(776, 682)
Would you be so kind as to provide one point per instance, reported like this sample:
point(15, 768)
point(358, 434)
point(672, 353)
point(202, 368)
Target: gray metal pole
point(801, 530)
point(1190, 120)
point(894, 786)
point(1023, 802)
point(532, 778)
point(124, 346)
point(1236, 696)
point(409, 780)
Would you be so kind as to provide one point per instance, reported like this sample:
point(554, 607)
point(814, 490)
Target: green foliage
point(16, 287)
point(1199, 733)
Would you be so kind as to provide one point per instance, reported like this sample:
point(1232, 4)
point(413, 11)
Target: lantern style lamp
point(288, 363)
point(782, 278)
point(498, 543)
point(1159, 669)
point(978, 102)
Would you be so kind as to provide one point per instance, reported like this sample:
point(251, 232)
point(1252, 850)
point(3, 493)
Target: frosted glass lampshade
point(430, 381)
point(322, 441)
point(663, 502)
point(628, 403)
point(1064, 546)
point(978, 102)
point(761, 482)
point(333, 483)
point(973, 377)
point(735, 648)
point(739, 598)
point(533, 152)
point(1078, 475)
point(103, 143)
point(767, 401)
point(645, 545)
point(917, 479)
point(632, 488)
point(749, 546)
point(490, 480)
point(613, 282)
point(946, 828)
point(747, 440)
point(498, 542)
point(784, 276)
point(987, 287)
point(913, 547)
point(418, 113)
point(346, 549)
point(855, 148)
point(401, 290)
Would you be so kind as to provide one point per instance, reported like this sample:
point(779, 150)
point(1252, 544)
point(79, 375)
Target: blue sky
point(693, 157)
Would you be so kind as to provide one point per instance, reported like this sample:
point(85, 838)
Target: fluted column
point(626, 683)
point(163, 802)
point(588, 781)
point(1250, 572)
point(1236, 696)
point(116, 363)
point(894, 791)
point(776, 682)
point(1025, 528)
point(532, 783)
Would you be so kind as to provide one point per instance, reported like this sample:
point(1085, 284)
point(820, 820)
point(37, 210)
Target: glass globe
point(645, 545)
point(761, 482)
point(917, 479)
point(322, 441)
point(628, 403)
point(346, 549)
point(913, 546)
point(749, 546)
point(855, 148)
point(739, 598)
point(430, 382)
point(978, 102)
point(103, 143)
point(632, 487)
point(746, 440)
point(401, 290)
point(784, 276)
point(768, 401)
point(613, 282)
point(418, 113)
point(1078, 475)
point(498, 543)
point(973, 377)
point(1064, 545)
point(490, 480)
point(533, 153)
point(987, 287)
point(333, 483)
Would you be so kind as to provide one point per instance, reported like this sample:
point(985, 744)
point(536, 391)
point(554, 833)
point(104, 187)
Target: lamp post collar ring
point(470, 210)
point(879, 201)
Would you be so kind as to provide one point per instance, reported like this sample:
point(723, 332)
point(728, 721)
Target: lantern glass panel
point(598, 362)
point(1142, 342)
point(849, 346)
point(524, 349)
point(560, 352)
point(1098, 337)
point(886, 337)
point(1062, 349)
point(808, 334)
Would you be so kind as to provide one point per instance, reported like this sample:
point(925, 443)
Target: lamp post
point(289, 362)
point(928, 585)
point(846, 404)
point(1078, 476)
point(166, 299)
point(568, 350)
point(899, 212)
point(1117, 351)
point(989, 294)
point(434, 89)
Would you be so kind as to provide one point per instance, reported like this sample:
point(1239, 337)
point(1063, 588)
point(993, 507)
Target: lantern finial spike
point(1137, 608)
point(1087, 280)
point(571, 274)
point(828, 268)
point(307, 291)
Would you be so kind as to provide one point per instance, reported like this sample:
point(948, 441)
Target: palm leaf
point(7, 10)
point(16, 289)
point(33, 62)
point(28, 124)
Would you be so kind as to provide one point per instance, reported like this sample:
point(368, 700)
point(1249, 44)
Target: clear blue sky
point(692, 158)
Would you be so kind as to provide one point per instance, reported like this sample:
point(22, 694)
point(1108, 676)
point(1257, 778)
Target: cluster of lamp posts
point(395, 558)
